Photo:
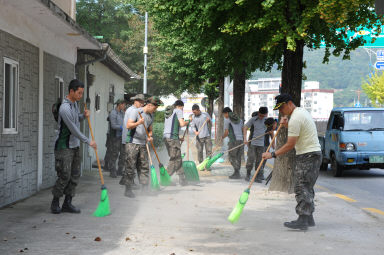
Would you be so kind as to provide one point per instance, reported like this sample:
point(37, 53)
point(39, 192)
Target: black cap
point(282, 99)
point(227, 109)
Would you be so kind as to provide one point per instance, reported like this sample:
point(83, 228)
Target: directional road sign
point(379, 65)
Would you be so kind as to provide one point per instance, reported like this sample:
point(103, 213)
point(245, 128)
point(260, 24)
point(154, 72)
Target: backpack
point(55, 109)
point(169, 110)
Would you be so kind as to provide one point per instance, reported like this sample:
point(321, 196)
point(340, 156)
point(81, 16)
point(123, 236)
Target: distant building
point(262, 92)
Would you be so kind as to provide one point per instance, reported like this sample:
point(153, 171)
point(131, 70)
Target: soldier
point(108, 146)
point(173, 121)
point(203, 136)
point(302, 135)
point(256, 148)
point(138, 102)
point(233, 128)
point(117, 149)
point(67, 152)
point(136, 151)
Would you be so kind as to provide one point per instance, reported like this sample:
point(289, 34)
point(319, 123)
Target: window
point(111, 94)
point(11, 96)
point(97, 102)
point(59, 86)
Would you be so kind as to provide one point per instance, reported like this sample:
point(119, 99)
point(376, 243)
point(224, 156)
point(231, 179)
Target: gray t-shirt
point(235, 130)
point(138, 135)
point(259, 129)
point(198, 121)
point(172, 125)
point(125, 130)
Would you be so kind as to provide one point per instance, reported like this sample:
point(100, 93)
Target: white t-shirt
point(302, 125)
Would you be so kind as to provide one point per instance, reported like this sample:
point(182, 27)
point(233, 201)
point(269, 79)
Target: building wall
point(18, 152)
point(69, 6)
point(53, 68)
point(104, 77)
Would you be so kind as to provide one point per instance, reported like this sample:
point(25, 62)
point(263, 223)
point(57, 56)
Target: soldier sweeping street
point(138, 102)
point(302, 135)
point(203, 137)
point(174, 119)
point(256, 148)
point(67, 152)
point(233, 128)
point(117, 148)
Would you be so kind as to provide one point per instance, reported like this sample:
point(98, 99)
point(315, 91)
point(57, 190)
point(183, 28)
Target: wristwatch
point(273, 154)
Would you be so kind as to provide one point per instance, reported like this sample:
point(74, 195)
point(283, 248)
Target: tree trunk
point(239, 93)
point(210, 106)
point(220, 118)
point(282, 178)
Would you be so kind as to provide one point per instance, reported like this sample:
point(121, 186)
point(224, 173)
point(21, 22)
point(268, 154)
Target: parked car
point(354, 139)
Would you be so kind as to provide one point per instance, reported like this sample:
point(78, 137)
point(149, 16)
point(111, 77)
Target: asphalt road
point(364, 186)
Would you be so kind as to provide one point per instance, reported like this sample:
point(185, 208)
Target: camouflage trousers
point(305, 174)
point(175, 162)
point(254, 158)
point(117, 149)
point(67, 164)
point(200, 143)
point(235, 155)
point(136, 159)
point(107, 153)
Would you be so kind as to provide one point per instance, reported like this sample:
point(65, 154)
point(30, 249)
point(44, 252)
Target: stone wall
point(18, 152)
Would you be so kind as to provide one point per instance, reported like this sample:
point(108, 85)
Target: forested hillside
point(344, 75)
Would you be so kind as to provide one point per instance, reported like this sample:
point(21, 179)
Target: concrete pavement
point(187, 220)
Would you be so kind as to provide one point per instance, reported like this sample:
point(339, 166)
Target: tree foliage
point(374, 88)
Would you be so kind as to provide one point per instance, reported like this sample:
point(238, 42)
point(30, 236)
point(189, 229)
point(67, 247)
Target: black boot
point(113, 174)
point(68, 206)
point(311, 221)
point(128, 191)
point(248, 177)
point(55, 205)
point(235, 175)
point(301, 223)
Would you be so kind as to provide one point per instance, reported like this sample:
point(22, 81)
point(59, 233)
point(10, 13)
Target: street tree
point(374, 88)
point(290, 25)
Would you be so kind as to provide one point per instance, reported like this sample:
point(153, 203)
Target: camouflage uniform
point(137, 159)
point(117, 149)
point(200, 143)
point(235, 155)
point(306, 173)
point(175, 161)
point(67, 164)
point(255, 156)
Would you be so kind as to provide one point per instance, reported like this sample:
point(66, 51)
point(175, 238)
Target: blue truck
point(354, 139)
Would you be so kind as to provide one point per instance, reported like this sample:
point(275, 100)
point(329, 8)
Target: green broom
point(165, 179)
point(103, 208)
point(202, 165)
point(154, 181)
point(189, 167)
point(213, 160)
point(236, 212)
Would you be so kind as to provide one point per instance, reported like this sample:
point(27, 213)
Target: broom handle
point(149, 154)
point(97, 157)
point(153, 147)
point(262, 161)
point(187, 142)
point(205, 122)
point(257, 137)
point(185, 131)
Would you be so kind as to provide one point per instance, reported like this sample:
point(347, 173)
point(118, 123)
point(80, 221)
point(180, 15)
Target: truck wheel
point(337, 170)
point(324, 167)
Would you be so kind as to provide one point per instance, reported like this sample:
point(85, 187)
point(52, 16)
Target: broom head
point(202, 165)
point(165, 179)
point(154, 181)
point(190, 171)
point(236, 212)
point(213, 160)
point(103, 209)
point(182, 155)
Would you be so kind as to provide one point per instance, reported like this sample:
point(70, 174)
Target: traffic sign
point(380, 55)
point(379, 65)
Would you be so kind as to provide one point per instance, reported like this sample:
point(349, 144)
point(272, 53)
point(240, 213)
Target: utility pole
point(145, 51)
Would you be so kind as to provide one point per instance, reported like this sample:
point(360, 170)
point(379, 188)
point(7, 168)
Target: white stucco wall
point(15, 22)
point(104, 77)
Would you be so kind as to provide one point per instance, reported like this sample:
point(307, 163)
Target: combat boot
point(301, 223)
point(68, 206)
point(248, 177)
point(113, 174)
point(55, 205)
point(235, 175)
point(128, 191)
point(311, 221)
